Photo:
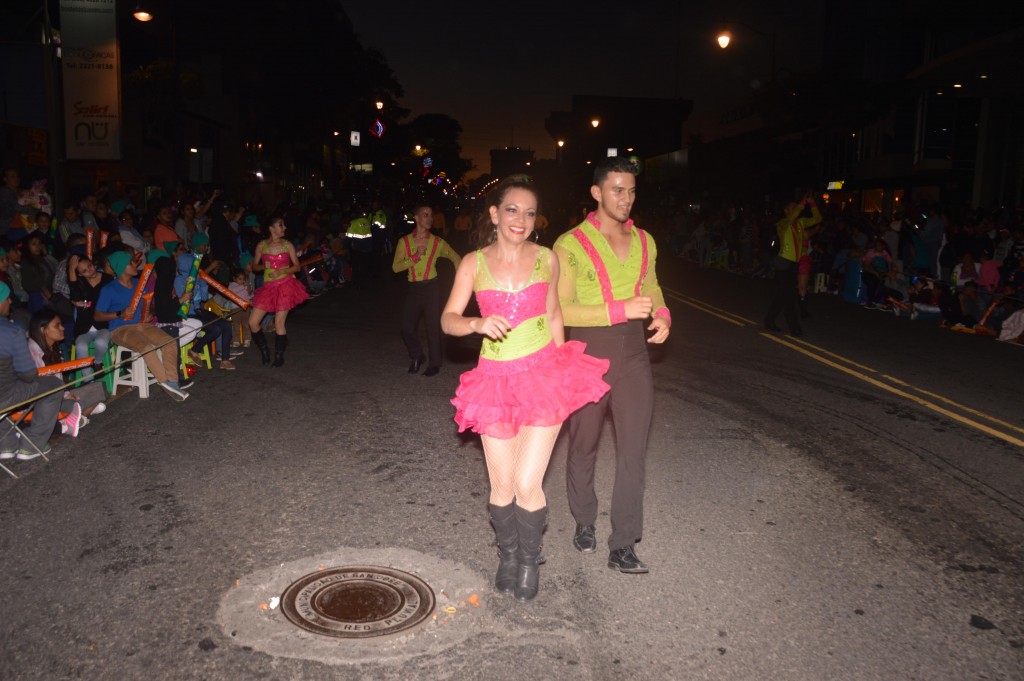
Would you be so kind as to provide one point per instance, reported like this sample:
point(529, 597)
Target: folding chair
point(15, 419)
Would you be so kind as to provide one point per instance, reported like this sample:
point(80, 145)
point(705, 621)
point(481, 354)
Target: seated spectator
point(38, 269)
point(988, 275)
point(60, 300)
point(45, 335)
point(217, 328)
point(43, 225)
point(876, 264)
point(966, 308)
point(159, 350)
point(964, 271)
point(166, 303)
point(1012, 330)
point(1003, 306)
point(86, 282)
point(240, 287)
point(20, 381)
point(130, 236)
point(164, 230)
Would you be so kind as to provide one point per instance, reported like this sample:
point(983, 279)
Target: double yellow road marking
point(891, 384)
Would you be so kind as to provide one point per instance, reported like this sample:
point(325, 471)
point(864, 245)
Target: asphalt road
point(845, 507)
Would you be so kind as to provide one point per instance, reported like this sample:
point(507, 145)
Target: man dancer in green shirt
point(609, 294)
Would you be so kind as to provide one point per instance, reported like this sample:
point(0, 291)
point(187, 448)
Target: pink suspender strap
point(643, 259)
point(430, 259)
point(616, 308)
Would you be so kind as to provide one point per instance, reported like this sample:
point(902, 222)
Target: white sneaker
point(99, 409)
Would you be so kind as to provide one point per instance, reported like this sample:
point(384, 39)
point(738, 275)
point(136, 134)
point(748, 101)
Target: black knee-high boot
point(261, 342)
point(503, 518)
point(280, 343)
point(530, 525)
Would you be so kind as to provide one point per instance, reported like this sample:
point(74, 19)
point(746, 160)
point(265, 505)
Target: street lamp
point(141, 14)
point(379, 104)
point(595, 122)
point(724, 38)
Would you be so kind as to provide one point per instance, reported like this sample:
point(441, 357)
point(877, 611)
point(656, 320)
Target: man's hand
point(638, 307)
point(660, 327)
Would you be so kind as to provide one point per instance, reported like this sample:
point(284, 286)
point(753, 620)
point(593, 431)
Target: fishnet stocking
point(516, 466)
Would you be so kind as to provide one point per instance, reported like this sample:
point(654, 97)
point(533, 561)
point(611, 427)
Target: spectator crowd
point(961, 269)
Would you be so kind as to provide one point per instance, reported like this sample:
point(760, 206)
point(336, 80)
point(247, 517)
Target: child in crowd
point(240, 287)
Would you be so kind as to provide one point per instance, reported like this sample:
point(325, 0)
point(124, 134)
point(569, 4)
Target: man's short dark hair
point(612, 164)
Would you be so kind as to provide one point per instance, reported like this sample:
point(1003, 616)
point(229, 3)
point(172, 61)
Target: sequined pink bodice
point(277, 260)
point(515, 306)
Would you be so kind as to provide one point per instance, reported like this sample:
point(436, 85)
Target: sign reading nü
point(92, 73)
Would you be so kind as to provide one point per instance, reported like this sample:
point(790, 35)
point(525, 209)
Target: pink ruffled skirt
point(279, 295)
point(542, 389)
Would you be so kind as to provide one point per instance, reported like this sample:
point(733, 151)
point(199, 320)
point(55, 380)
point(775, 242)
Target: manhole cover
point(357, 602)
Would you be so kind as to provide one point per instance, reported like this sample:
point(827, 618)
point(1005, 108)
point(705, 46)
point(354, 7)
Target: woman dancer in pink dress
point(281, 291)
point(528, 379)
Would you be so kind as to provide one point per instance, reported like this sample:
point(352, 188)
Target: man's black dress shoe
point(585, 540)
point(414, 368)
point(771, 326)
point(432, 371)
point(625, 560)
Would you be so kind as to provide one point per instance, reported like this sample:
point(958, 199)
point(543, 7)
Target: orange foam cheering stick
point(103, 239)
point(61, 367)
point(139, 290)
point(310, 260)
point(224, 290)
point(90, 242)
point(147, 301)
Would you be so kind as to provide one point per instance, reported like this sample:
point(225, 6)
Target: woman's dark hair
point(39, 321)
point(26, 252)
point(485, 232)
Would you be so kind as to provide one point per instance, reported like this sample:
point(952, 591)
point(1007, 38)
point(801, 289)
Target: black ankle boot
point(530, 525)
point(261, 343)
point(503, 518)
point(280, 344)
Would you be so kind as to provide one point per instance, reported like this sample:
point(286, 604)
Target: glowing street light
point(561, 143)
point(141, 14)
point(595, 122)
point(724, 39)
point(379, 104)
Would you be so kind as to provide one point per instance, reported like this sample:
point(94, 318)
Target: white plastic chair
point(133, 373)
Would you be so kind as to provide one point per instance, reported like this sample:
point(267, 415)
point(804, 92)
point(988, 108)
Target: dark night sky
point(500, 68)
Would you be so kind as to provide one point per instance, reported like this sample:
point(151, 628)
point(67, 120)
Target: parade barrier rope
point(113, 367)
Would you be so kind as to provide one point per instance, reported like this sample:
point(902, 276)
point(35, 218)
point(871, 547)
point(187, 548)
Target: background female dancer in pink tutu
point(281, 291)
point(528, 379)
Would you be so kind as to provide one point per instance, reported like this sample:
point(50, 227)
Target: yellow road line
point(730, 317)
point(955, 404)
point(707, 311)
point(832, 354)
point(706, 306)
point(896, 391)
